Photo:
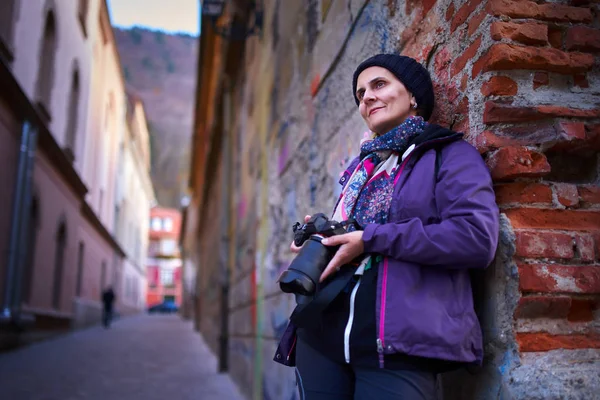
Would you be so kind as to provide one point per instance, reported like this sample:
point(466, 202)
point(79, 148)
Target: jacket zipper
point(380, 339)
point(292, 348)
point(348, 329)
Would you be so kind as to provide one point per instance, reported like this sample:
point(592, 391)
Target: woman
point(424, 200)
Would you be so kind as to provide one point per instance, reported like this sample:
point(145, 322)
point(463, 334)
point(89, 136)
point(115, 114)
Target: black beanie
point(411, 73)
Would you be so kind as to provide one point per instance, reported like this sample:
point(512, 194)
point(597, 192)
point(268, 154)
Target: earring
point(415, 106)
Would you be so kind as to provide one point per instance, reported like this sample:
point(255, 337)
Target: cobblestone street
point(142, 357)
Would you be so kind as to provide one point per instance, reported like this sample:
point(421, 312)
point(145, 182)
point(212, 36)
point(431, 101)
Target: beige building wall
point(135, 199)
point(106, 122)
point(73, 53)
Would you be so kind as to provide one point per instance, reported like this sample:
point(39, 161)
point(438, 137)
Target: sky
point(165, 15)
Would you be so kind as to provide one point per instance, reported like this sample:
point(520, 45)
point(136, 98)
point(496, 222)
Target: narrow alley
point(142, 357)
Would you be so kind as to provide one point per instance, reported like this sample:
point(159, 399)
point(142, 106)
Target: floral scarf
point(368, 193)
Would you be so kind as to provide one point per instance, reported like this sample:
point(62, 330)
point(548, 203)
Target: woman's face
point(384, 102)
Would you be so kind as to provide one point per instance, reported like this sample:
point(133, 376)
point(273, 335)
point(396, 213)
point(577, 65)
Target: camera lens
point(302, 276)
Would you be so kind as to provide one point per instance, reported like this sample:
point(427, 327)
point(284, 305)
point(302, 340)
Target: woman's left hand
point(351, 246)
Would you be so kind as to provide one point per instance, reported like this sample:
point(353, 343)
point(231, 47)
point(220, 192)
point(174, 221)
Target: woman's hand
point(351, 246)
point(293, 247)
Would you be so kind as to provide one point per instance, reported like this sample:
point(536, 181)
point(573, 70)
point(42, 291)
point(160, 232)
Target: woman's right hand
point(293, 247)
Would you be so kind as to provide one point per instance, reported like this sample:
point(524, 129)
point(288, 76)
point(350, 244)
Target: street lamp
point(213, 9)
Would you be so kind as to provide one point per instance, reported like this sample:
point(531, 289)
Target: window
point(71, 134)
point(167, 247)
point(7, 18)
point(166, 277)
point(168, 224)
point(82, 13)
point(80, 258)
point(45, 79)
point(59, 260)
point(156, 224)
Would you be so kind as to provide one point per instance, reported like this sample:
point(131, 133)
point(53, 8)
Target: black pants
point(320, 378)
point(107, 316)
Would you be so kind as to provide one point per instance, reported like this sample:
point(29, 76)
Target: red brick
point(443, 113)
point(515, 162)
point(555, 37)
point(487, 141)
point(496, 112)
point(476, 21)
point(590, 194)
point(572, 130)
point(558, 111)
point(529, 342)
point(499, 86)
point(592, 136)
point(580, 80)
point(463, 14)
point(463, 83)
point(596, 237)
point(543, 307)
point(582, 310)
point(584, 247)
point(504, 56)
point(426, 6)
point(582, 38)
point(523, 193)
point(546, 11)
point(459, 64)
point(450, 12)
point(540, 79)
point(531, 33)
point(554, 278)
point(532, 133)
point(441, 62)
point(567, 194)
point(544, 245)
point(540, 218)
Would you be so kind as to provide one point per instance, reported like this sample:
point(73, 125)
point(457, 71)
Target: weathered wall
point(520, 78)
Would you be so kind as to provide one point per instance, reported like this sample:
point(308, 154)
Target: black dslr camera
point(302, 276)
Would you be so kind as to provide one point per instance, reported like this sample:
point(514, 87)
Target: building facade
point(63, 105)
point(164, 269)
point(134, 197)
point(276, 123)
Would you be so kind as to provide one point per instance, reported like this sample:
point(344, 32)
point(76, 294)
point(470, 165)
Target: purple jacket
point(437, 231)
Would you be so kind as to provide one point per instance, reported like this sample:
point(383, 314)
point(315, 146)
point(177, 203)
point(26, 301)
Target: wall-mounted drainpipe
point(24, 244)
point(20, 215)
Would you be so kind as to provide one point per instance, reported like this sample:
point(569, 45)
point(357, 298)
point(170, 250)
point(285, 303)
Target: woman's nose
point(368, 96)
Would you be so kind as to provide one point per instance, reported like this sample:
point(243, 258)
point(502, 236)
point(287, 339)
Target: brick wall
point(520, 78)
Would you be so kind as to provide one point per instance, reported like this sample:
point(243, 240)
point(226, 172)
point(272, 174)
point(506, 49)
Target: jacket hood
point(434, 134)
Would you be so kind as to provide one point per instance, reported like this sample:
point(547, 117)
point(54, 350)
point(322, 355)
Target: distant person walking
point(108, 298)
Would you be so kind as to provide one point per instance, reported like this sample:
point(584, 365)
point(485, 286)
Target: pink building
point(164, 259)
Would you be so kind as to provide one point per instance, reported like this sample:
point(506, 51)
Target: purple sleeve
point(467, 234)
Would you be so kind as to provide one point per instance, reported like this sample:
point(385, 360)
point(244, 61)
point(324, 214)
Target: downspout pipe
point(24, 245)
point(8, 314)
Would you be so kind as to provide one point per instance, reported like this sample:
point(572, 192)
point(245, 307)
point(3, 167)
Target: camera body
point(302, 276)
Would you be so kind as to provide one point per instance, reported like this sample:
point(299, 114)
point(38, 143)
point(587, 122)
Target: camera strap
point(307, 315)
